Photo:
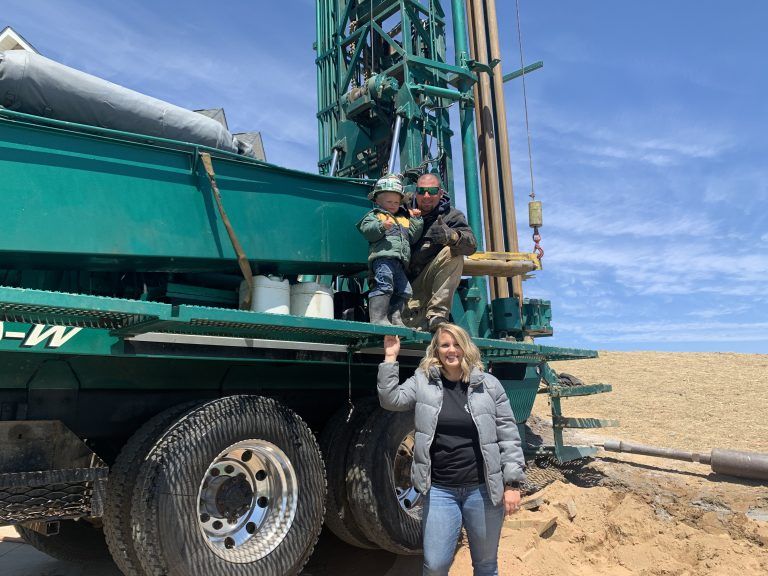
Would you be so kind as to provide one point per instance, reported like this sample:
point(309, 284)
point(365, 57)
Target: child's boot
point(395, 311)
point(378, 308)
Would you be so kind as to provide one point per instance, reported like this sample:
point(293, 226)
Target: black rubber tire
point(77, 541)
point(166, 535)
point(120, 485)
point(566, 379)
point(371, 487)
point(335, 440)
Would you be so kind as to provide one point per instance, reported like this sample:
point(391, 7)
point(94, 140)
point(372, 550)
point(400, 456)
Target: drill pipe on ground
point(751, 465)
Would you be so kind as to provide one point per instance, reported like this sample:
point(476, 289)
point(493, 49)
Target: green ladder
point(556, 390)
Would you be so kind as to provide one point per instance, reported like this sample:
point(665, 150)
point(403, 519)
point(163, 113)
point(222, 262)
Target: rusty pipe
point(751, 465)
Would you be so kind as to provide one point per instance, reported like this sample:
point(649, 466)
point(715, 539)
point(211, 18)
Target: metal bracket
point(483, 67)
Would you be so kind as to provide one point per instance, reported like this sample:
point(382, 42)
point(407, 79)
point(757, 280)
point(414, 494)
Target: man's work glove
point(441, 233)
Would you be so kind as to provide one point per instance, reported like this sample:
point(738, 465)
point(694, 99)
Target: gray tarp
point(33, 84)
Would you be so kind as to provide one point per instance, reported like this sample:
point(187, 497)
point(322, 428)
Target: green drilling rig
point(150, 407)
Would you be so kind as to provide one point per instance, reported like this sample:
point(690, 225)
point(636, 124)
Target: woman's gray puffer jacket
point(489, 407)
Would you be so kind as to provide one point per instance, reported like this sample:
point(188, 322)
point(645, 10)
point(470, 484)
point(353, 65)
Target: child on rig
point(390, 229)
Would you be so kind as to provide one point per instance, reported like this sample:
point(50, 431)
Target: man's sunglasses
point(431, 190)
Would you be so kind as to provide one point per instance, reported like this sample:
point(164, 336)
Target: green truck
point(145, 413)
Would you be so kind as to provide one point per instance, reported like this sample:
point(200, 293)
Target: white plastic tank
point(311, 299)
point(270, 294)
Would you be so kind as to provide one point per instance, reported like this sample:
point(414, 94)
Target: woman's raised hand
point(391, 348)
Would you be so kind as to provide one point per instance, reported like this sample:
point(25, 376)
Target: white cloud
point(627, 217)
point(621, 137)
point(722, 310)
point(669, 269)
point(670, 332)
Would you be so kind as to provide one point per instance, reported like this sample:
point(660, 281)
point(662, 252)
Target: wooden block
point(570, 508)
point(538, 524)
point(531, 502)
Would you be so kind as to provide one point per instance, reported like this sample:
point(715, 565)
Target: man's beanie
point(388, 183)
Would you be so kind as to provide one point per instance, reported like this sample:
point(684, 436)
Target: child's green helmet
point(388, 183)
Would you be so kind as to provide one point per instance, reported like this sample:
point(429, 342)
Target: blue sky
point(648, 123)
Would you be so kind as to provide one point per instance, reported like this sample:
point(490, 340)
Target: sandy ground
point(625, 515)
point(618, 515)
point(692, 401)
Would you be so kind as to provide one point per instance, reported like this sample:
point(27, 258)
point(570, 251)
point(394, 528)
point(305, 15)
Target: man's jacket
point(490, 409)
point(425, 250)
point(395, 242)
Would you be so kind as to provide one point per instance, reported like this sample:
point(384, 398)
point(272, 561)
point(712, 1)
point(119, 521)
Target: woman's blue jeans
point(445, 510)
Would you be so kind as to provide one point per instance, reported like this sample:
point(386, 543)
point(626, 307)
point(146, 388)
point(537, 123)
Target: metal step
point(585, 390)
point(566, 422)
point(46, 307)
point(126, 318)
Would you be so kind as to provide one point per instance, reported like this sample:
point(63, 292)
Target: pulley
point(536, 221)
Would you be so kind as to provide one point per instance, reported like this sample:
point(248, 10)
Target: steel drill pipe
point(486, 136)
point(751, 465)
point(483, 176)
point(502, 141)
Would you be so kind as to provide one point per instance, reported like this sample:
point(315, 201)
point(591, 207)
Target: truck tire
point(77, 541)
point(235, 487)
point(335, 440)
point(381, 496)
point(120, 485)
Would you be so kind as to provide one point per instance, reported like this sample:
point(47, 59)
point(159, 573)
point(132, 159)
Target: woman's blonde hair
point(470, 360)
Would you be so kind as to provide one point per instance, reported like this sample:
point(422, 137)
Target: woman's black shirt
point(456, 457)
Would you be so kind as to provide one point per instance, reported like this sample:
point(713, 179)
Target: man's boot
point(435, 322)
point(378, 308)
point(395, 310)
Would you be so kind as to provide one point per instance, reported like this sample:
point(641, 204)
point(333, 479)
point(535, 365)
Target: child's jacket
point(395, 242)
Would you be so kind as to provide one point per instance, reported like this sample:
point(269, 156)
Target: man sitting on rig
point(437, 258)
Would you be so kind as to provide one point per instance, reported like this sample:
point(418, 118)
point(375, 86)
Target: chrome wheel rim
point(247, 500)
point(409, 499)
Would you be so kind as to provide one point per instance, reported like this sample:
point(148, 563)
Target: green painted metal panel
point(522, 394)
point(586, 390)
point(566, 422)
point(47, 339)
point(89, 199)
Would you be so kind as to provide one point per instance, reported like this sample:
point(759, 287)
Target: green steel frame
point(377, 61)
point(384, 82)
